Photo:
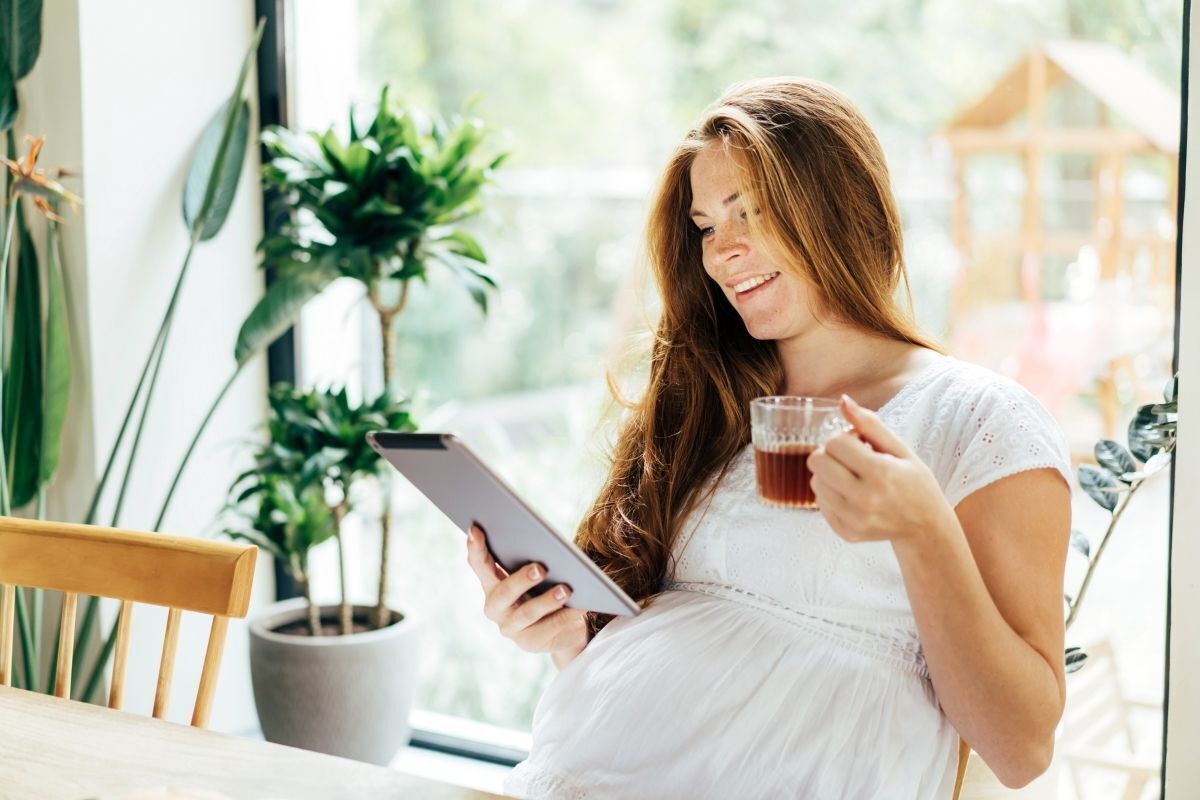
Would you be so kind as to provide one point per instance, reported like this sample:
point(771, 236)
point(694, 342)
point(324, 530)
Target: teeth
point(750, 283)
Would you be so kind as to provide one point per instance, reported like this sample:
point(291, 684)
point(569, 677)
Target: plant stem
point(27, 651)
point(314, 616)
point(101, 664)
point(387, 316)
point(166, 330)
point(5, 508)
point(339, 512)
point(1087, 578)
point(159, 341)
point(162, 513)
point(88, 622)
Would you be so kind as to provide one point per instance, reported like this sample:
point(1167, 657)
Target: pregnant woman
point(830, 653)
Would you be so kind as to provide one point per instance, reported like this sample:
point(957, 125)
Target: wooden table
point(53, 749)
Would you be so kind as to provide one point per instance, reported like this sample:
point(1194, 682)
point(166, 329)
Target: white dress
point(782, 661)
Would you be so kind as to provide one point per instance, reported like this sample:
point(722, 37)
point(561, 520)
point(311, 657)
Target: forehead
point(712, 171)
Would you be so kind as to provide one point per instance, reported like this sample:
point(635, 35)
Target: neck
point(831, 359)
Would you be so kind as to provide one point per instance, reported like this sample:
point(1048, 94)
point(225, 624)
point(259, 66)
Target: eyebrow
point(695, 212)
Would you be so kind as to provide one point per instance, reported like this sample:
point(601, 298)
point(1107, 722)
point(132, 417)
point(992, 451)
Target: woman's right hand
point(539, 624)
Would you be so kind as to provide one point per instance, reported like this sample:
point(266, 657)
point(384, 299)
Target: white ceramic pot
point(347, 696)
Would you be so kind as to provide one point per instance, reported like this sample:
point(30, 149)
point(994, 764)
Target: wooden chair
point(180, 573)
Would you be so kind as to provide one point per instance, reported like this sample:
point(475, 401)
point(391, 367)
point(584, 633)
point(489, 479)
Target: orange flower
point(33, 182)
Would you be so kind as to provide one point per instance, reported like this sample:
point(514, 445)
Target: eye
point(705, 232)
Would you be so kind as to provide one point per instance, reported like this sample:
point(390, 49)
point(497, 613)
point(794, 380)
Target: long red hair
point(808, 161)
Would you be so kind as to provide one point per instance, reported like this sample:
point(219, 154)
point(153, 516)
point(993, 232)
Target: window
point(592, 94)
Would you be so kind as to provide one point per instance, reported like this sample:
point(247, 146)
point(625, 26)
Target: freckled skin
point(779, 310)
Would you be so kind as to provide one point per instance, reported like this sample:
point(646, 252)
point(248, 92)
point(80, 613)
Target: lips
point(753, 284)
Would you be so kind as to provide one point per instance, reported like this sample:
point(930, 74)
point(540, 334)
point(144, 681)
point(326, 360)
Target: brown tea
point(783, 476)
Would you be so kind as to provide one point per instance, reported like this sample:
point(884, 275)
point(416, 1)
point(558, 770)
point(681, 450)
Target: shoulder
point(977, 426)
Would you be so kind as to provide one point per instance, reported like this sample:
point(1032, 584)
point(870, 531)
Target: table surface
point(54, 749)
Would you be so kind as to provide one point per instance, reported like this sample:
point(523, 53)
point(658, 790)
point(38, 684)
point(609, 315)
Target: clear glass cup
point(784, 430)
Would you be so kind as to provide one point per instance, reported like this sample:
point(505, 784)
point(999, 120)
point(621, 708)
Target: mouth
point(755, 284)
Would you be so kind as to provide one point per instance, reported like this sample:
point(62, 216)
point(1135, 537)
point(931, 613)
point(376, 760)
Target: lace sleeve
point(1003, 430)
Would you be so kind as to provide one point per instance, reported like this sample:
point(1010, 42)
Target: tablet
point(463, 488)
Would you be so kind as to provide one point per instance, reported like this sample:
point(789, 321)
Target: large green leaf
point(216, 166)
point(8, 98)
point(278, 309)
point(23, 380)
point(1114, 457)
point(1099, 485)
point(213, 175)
point(20, 23)
point(56, 367)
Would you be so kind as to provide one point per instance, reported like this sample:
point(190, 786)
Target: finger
point(828, 497)
point(832, 472)
point(872, 429)
point(534, 609)
point(505, 594)
point(563, 628)
point(482, 564)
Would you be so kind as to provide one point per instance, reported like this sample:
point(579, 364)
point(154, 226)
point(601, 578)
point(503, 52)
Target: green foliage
point(316, 450)
point(1152, 435)
point(20, 43)
point(382, 203)
point(217, 163)
point(271, 514)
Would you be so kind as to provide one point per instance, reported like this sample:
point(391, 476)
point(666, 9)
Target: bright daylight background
point(591, 95)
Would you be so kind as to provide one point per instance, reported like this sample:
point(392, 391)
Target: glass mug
point(784, 430)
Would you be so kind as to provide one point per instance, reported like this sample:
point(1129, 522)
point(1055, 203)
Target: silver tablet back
point(457, 481)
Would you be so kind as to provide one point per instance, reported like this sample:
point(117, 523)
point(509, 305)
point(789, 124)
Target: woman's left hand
point(870, 486)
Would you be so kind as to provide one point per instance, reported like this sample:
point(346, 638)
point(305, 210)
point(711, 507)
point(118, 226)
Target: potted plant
point(316, 685)
point(379, 207)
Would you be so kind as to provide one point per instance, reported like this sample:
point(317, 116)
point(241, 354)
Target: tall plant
point(1116, 477)
point(300, 489)
point(35, 369)
point(37, 373)
point(379, 207)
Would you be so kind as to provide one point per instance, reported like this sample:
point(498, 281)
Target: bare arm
point(984, 582)
point(986, 590)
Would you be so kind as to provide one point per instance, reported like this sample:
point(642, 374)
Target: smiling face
point(772, 303)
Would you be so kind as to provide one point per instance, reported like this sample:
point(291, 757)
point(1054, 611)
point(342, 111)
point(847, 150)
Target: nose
point(731, 240)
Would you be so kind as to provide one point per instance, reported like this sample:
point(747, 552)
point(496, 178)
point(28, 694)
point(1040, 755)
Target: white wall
point(122, 90)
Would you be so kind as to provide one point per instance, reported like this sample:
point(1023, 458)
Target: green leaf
point(9, 106)
point(1171, 390)
point(1156, 463)
point(1144, 442)
point(216, 166)
point(1114, 457)
point(20, 35)
point(476, 282)
point(23, 380)
point(464, 244)
point(212, 177)
point(56, 387)
point(278, 310)
point(1074, 660)
point(1080, 542)
point(1100, 485)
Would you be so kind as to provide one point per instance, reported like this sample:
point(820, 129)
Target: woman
point(837, 653)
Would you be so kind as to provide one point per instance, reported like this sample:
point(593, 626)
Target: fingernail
point(560, 593)
point(535, 572)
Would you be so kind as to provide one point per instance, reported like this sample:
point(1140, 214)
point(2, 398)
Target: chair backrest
point(964, 752)
point(180, 573)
